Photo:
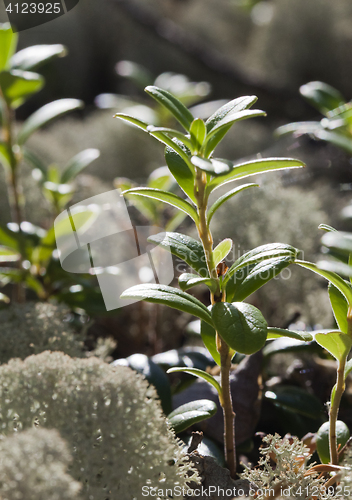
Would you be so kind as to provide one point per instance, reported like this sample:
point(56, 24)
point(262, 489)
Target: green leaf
point(8, 43)
point(348, 368)
point(322, 96)
point(78, 163)
point(234, 106)
point(174, 133)
point(190, 413)
point(339, 242)
point(181, 172)
point(327, 228)
point(322, 439)
point(286, 344)
point(198, 133)
point(10, 239)
point(45, 115)
point(213, 167)
point(166, 197)
point(178, 146)
point(249, 168)
point(222, 250)
point(134, 121)
point(36, 55)
point(200, 374)
point(17, 85)
point(226, 197)
point(296, 400)
point(176, 108)
point(335, 279)
point(4, 155)
point(187, 281)
point(172, 297)
point(299, 128)
point(335, 267)
point(160, 178)
point(339, 140)
point(259, 254)
point(185, 248)
point(239, 289)
point(339, 306)
point(208, 335)
point(274, 333)
point(217, 133)
point(8, 255)
point(241, 325)
point(338, 344)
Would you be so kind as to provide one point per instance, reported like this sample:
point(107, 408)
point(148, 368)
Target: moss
point(109, 417)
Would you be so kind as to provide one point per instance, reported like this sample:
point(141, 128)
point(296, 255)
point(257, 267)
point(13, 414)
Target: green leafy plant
point(335, 127)
point(228, 325)
point(337, 342)
point(30, 247)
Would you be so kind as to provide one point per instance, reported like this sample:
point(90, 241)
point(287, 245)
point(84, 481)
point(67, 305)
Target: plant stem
point(336, 395)
point(224, 350)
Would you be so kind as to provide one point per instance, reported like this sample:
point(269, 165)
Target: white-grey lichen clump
point(33, 465)
point(32, 328)
point(281, 469)
point(109, 416)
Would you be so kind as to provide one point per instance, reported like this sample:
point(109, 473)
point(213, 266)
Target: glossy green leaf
point(295, 399)
point(168, 101)
point(336, 280)
point(249, 168)
point(185, 248)
point(17, 85)
point(198, 132)
point(78, 163)
point(200, 374)
point(172, 132)
point(338, 344)
point(8, 255)
point(8, 43)
point(166, 197)
point(322, 96)
point(167, 295)
point(259, 254)
point(226, 197)
point(222, 250)
point(190, 413)
point(212, 166)
point(274, 333)
point(133, 121)
point(327, 228)
point(181, 172)
point(187, 281)
point(241, 325)
point(322, 439)
point(36, 55)
point(208, 335)
point(348, 368)
point(339, 306)
point(234, 106)
point(175, 144)
point(258, 276)
point(45, 115)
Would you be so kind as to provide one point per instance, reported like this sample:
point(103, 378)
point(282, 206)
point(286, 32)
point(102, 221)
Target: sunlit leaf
point(222, 250)
point(78, 163)
point(176, 108)
point(226, 197)
point(36, 55)
point(190, 413)
point(338, 344)
point(17, 85)
point(8, 43)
